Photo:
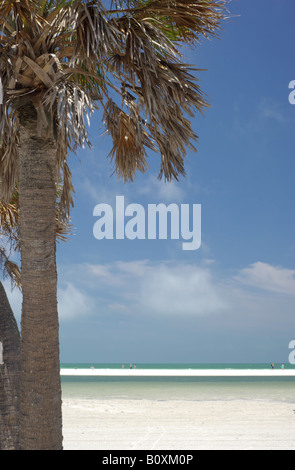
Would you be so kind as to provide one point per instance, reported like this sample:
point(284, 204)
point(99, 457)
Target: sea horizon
point(180, 366)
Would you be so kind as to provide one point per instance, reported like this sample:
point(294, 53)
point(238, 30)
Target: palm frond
point(69, 57)
point(8, 152)
point(21, 15)
point(8, 217)
point(129, 140)
point(164, 88)
point(182, 20)
point(9, 237)
point(95, 36)
point(13, 271)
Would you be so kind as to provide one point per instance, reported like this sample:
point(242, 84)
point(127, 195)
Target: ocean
point(274, 389)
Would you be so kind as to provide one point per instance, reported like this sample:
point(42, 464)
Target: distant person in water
point(130, 366)
point(272, 366)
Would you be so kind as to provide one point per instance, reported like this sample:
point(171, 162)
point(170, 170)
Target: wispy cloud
point(267, 277)
point(161, 191)
point(181, 290)
point(257, 120)
point(175, 289)
point(270, 109)
point(72, 302)
point(159, 288)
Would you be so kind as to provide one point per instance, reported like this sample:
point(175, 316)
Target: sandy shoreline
point(179, 372)
point(146, 424)
point(118, 424)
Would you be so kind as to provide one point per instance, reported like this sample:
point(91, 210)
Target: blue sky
point(232, 300)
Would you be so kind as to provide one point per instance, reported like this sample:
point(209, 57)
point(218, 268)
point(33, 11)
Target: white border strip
point(178, 372)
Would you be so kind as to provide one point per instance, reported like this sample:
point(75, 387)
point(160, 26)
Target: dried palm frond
point(13, 272)
point(129, 140)
point(181, 20)
point(70, 57)
point(165, 91)
point(95, 36)
point(8, 217)
point(9, 239)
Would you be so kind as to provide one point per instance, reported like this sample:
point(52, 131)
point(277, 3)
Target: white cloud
point(135, 268)
point(153, 189)
point(72, 302)
point(98, 193)
point(161, 288)
point(100, 271)
point(116, 274)
point(181, 290)
point(162, 191)
point(267, 277)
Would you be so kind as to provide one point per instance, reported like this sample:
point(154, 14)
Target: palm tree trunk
point(40, 412)
point(9, 376)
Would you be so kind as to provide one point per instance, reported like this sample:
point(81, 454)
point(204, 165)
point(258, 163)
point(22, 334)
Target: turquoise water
point(273, 389)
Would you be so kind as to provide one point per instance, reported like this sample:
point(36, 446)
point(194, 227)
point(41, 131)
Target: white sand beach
point(148, 424)
point(177, 425)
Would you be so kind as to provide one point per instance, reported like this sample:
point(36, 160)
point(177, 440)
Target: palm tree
point(59, 61)
point(9, 333)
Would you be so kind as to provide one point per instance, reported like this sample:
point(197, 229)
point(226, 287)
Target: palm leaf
point(69, 57)
point(180, 19)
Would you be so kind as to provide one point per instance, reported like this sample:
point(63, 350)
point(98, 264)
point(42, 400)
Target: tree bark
point(40, 399)
point(9, 376)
